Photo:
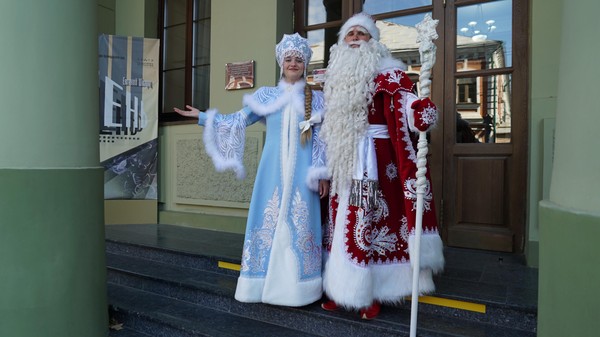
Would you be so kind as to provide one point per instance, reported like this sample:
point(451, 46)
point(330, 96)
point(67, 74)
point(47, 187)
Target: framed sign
point(239, 75)
point(319, 75)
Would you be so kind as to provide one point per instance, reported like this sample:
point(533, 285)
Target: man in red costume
point(371, 129)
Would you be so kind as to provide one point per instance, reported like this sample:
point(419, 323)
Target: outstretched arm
point(190, 112)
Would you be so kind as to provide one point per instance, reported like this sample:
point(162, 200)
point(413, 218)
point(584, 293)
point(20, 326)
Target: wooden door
point(478, 152)
point(484, 132)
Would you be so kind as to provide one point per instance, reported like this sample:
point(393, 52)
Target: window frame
point(349, 8)
point(165, 114)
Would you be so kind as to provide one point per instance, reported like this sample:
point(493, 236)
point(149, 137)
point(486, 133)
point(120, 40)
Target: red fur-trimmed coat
point(370, 231)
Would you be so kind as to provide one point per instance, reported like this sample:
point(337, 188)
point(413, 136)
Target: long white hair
point(349, 89)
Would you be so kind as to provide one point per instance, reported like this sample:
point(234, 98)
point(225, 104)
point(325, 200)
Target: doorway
point(478, 152)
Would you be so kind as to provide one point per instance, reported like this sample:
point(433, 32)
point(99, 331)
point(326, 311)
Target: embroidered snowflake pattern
point(309, 249)
point(381, 209)
point(391, 171)
point(394, 77)
point(404, 233)
point(226, 139)
point(328, 230)
point(429, 115)
point(373, 240)
point(410, 193)
point(318, 150)
point(258, 246)
point(361, 231)
point(382, 241)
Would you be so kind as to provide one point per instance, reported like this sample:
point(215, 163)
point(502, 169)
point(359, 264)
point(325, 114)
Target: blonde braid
point(305, 136)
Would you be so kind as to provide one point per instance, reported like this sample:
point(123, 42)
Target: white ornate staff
point(425, 35)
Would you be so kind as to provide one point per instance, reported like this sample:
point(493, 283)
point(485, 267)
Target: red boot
point(370, 312)
point(329, 306)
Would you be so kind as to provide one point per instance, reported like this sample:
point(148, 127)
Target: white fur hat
point(360, 19)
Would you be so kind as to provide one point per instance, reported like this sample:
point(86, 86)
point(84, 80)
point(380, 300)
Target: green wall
point(569, 274)
point(545, 29)
point(106, 17)
point(52, 253)
point(53, 279)
point(569, 215)
point(256, 26)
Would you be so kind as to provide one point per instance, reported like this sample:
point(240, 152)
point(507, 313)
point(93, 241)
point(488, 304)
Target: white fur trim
point(432, 252)
point(394, 282)
point(353, 286)
point(359, 19)
point(221, 163)
point(410, 112)
point(344, 282)
point(251, 290)
point(289, 92)
point(389, 63)
point(281, 285)
point(314, 175)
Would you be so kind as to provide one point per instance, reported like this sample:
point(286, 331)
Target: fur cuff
point(211, 145)
point(314, 175)
point(432, 252)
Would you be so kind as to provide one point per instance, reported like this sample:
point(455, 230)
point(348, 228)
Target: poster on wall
point(128, 72)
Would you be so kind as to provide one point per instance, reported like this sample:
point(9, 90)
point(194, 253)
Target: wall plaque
point(239, 75)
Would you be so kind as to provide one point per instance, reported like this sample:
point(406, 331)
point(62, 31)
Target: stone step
point(124, 332)
point(157, 315)
point(498, 285)
point(172, 257)
point(212, 288)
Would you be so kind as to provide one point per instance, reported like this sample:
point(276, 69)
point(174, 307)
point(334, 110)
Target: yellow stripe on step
point(445, 302)
point(227, 265)
point(442, 302)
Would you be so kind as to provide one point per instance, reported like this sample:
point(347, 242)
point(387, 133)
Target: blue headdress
point(293, 45)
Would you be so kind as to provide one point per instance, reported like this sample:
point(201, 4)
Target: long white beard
point(348, 90)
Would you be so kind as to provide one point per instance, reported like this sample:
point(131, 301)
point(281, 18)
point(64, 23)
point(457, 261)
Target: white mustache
point(357, 43)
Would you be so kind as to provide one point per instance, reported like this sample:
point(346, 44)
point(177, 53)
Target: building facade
point(528, 185)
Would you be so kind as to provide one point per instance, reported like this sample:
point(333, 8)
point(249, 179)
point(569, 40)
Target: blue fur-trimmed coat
point(281, 261)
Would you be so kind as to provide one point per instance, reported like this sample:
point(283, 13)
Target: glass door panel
point(484, 36)
point(399, 35)
point(383, 6)
point(320, 11)
point(483, 109)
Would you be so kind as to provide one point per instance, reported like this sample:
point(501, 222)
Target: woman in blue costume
point(281, 260)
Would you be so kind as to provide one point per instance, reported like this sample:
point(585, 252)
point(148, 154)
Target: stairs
point(165, 281)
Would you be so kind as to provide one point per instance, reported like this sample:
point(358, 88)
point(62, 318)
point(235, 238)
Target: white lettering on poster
point(123, 113)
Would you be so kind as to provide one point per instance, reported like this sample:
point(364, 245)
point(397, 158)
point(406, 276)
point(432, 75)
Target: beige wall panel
point(198, 183)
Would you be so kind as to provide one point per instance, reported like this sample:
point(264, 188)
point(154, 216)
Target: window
point(484, 67)
point(320, 22)
point(185, 43)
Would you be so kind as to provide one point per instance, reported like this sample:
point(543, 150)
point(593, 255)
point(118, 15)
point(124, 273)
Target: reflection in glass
point(173, 89)
point(202, 9)
point(321, 11)
point(400, 36)
point(484, 37)
point(202, 42)
point(175, 12)
point(174, 47)
point(201, 87)
point(316, 40)
point(384, 6)
point(319, 44)
point(483, 109)
point(201, 57)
